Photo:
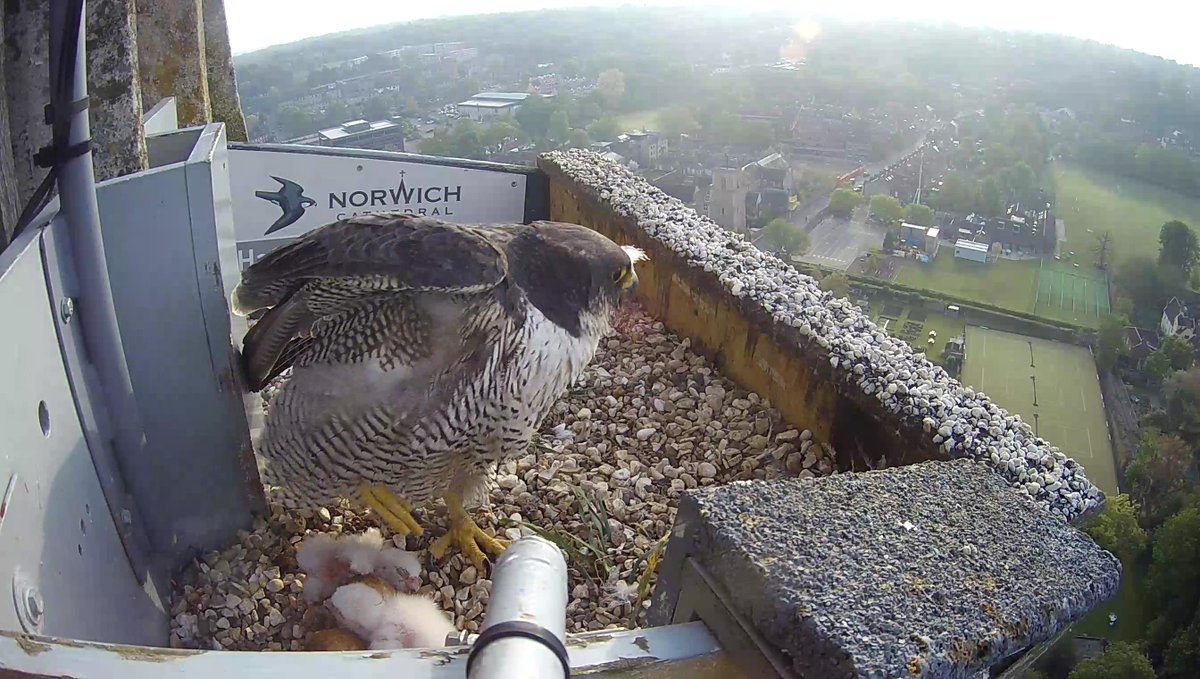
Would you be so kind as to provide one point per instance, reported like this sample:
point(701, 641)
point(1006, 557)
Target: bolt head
point(66, 309)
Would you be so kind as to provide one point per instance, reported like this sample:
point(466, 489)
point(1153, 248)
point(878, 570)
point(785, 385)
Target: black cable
point(58, 116)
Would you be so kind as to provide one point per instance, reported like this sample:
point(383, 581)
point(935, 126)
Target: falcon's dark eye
point(619, 274)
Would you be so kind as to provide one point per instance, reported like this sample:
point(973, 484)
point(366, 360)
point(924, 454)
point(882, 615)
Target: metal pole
point(77, 201)
point(524, 632)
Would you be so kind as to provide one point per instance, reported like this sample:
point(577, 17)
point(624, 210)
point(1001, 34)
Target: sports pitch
point(1063, 403)
point(1071, 295)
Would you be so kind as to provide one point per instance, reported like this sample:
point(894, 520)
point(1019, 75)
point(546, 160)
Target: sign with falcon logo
point(280, 194)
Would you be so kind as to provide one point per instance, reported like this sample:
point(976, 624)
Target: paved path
point(836, 243)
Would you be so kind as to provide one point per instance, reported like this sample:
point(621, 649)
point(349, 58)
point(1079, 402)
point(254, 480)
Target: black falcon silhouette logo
point(290, 198)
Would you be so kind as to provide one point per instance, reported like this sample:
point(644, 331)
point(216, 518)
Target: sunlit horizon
point(258, 24)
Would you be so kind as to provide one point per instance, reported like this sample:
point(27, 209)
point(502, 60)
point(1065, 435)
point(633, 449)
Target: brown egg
point(376, 583)
point(335, 640)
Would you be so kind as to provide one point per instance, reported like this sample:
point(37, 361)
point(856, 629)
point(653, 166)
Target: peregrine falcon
point(422, 353)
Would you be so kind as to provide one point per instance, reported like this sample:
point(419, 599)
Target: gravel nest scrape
point(649, 419)
point(963, 422)
point(937, 568)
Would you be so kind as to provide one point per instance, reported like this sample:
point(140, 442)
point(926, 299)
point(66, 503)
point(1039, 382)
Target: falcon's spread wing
point(359, 279)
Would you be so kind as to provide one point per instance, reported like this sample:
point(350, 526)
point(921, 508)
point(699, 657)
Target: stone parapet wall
point(933, 570)
point(826, 365)
point(137, 54)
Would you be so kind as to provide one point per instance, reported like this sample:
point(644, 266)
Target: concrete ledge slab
point(939, 569)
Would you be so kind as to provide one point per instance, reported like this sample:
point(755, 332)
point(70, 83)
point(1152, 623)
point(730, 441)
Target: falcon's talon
point(394, 511)
point(469, 537)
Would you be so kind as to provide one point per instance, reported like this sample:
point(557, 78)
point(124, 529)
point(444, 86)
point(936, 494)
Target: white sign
point(280, 195)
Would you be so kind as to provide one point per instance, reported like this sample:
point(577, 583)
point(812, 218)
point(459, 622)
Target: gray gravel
point(891, 573)
point(869, 362)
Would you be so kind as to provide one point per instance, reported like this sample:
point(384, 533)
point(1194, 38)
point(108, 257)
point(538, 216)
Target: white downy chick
point(386, 619)
point(330, 561)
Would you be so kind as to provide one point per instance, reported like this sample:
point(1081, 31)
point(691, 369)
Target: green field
point(1004, 283)
point(1077, 295)
point(1053, 290)
point(1132, 210)
point(639, 120)
point(1069, 411)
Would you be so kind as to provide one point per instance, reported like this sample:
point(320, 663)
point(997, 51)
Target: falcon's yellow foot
point(396, 512)
point(470, 537)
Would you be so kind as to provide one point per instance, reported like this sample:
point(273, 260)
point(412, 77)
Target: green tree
point(1110, 341)
point(1121, 660)
point(1158, 364)
point(1118, 531)
point(611, 86)
point(534, 115)
point(1182, 655)
point(1178, 247)
point(1173, 580)
point(957, 194)
point(677, 120)
point(873, 261)
point(466, 139)
point(499, 131)
point(559, 127)
point(785, 236)
point(837, 284)
point(578, 139)
point(921, 215)
point(991, 198)
point(337, 113)
point(1103, 250)
point(376, 108)
point(843, 202)
point(1147, 284)
point(1157, 477)
point(605, 129)
point(1183, 404)
point(886, 209)
point(725, 128)
point(293, 122)
point(1179, 352)
point(1022, 182)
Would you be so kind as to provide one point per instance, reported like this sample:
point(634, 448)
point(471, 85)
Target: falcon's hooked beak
point(628, 282)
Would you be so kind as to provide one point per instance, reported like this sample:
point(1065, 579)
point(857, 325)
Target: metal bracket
point(95, 419)
point(701, 598)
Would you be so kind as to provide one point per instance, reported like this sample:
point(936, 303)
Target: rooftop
point(354, 127)
point(970, 245)
point(489, 103)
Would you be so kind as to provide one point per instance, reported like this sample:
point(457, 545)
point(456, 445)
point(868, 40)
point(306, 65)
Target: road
point(836, 243)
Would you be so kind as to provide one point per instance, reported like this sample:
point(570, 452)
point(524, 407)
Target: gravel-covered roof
point(938, 569)
point(921, 395)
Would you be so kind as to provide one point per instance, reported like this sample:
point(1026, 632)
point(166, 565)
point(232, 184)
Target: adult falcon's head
point(575, 276)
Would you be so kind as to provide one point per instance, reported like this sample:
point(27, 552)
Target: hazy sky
point(1162, 27)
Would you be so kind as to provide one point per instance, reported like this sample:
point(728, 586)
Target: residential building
point(773, 172)
point(1140, 343)
point(1174, 317)
point(770, 191)
point(647, 148)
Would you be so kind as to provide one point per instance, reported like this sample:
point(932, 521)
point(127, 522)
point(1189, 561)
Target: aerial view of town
point(801, 345)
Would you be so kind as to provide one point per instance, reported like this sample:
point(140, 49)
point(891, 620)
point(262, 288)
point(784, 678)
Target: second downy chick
point(386, 619)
